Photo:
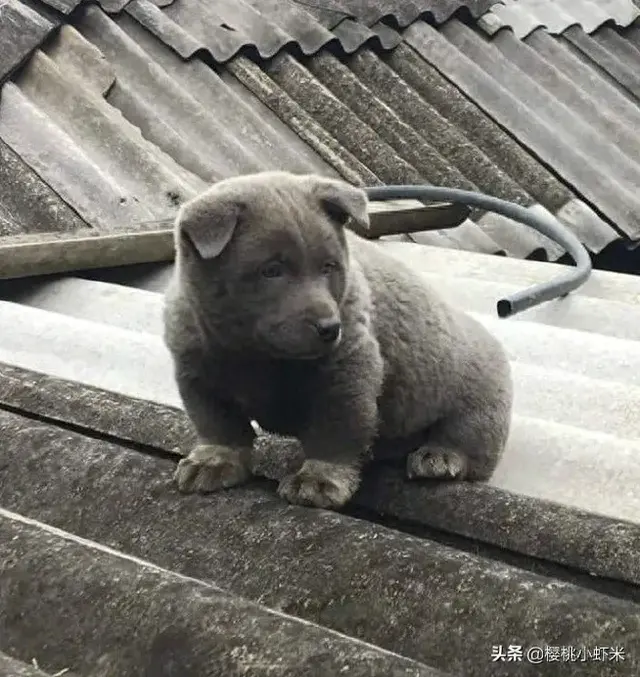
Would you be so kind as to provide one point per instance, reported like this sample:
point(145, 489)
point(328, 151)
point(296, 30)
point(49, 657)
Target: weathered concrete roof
point(105, 127)
point(10, 667)
point(546, 552)
point(411, 596)
point(182, 625)
point(22, 30)
point(569, 99)
point(428, 103)
point(524, 16)
point(265, 28)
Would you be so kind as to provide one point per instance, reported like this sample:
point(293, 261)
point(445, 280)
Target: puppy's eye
point(329, 267)
point(273, 269)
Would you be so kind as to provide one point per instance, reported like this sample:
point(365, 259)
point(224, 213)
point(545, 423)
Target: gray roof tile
point(353, 35)
point(10, 667)
point(568, 127)
point(22, 30)
point(612, 52)
point(432, 133)
point(322, 114)
point(127, 621)
point(64, 6)
point(525, 16)
point(324, 568)
point(28, 205)
point(68, 6)
point(481, 512)
point(160, 93)
point(401, 12)
point(265, 27)
point(136, 154)
point(107, 128)
point(98, 162)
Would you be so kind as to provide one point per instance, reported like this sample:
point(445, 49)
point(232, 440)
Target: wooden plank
point(52, 253)
point(47, 256)
point(410, 216)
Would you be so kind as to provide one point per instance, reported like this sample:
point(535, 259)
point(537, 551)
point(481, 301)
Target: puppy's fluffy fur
point(278, 313)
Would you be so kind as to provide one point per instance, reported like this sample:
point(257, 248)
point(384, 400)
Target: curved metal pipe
point(544, 223)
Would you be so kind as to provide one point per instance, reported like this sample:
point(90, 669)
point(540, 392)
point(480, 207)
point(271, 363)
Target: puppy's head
point(264, 260)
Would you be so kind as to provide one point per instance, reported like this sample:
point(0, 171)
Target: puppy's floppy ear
point(208, 223)
point(340, 200)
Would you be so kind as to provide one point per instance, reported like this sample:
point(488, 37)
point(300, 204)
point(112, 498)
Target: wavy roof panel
point(265, 27)
point(524, 16)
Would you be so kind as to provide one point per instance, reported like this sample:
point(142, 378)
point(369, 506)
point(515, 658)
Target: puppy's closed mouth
point(309, 355)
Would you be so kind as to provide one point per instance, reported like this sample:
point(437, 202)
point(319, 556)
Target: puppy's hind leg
point(464, 446)
point(437, 462)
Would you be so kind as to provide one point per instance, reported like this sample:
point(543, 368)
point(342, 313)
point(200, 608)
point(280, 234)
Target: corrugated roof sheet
point(108, 126)
point(22, 30)
point(66, 7)
point(407, 123)
point(88, 356)
point(575, 118)
point(524, 16)
point(559, 134)
point(86, 123)
point(28, 204)
point(265, 27)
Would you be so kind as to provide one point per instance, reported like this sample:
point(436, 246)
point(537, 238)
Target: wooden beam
point(395, 217)
point(49, 254)
point(52, 253)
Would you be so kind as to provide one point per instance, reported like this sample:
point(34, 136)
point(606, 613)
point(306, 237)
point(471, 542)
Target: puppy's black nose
point(328, 330)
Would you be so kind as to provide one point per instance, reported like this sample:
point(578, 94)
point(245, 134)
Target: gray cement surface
point(434, 604)
point(10, 667)
point(107, 616)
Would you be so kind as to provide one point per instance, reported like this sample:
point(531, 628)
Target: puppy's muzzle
point(328, 330)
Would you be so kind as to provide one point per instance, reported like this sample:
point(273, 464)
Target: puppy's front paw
point(210, 468)
point(320, 484)
point(436, 463)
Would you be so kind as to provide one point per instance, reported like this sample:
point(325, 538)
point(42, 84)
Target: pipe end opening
point(505, 308)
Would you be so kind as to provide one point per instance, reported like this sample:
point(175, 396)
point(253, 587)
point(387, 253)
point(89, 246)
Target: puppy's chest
point(275, 394)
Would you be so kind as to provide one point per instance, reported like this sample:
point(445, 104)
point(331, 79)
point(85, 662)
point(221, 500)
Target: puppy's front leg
point(342, 428)
point(222, 457)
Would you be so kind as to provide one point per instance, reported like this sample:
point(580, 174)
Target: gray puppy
point(277, 313)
